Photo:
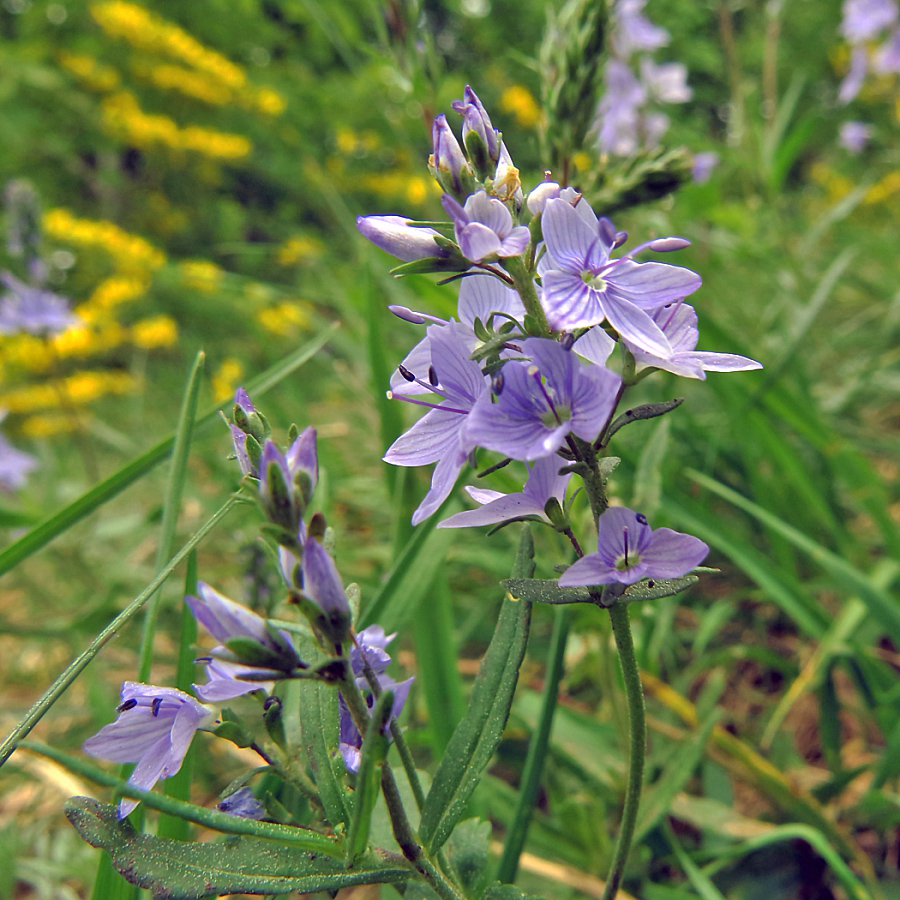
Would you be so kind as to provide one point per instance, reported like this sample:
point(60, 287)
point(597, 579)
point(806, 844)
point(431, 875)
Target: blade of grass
point(50, 528)
point(538, 748)
point(178, 786)
point(808, 616)
point(880, 603)
point(438, 675)
point(78, 665)
point(171, 508)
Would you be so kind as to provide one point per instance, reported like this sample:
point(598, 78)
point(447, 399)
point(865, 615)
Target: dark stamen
point(157, 703)
point(128, 704)
point(406, 373)
point(497, 384)
point(536, 375)
point(432, 377)
point(641, 518)
point(625, 535)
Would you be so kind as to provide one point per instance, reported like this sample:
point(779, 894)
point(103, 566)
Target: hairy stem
point(618, 614)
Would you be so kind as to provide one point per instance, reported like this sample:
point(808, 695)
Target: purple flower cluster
point(626, 121)
point(872, 29)
point(155, 725)
point(524, 371)
point(369, 650)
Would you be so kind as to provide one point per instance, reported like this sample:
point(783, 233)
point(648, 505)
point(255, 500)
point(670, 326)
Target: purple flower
point(226, 680)
point(399, 237)
point(544, 398)
point(248, 429)
point(242, 803)
point(224, 619)
point(440, 435)
point(618, 113)
point(484, 228)
point(322, 583)
point(863, 20)
point(544, 484)
point(629, 550)
point(448, 162)
point(477, 128)
point(704, 163)
point(270, 652)
point(854, 136)
point(856, 75)
point(33, 309)
point(887, 56)
point(679, 324)
point(15, 465)
point(370, 645)
point(583, 286)
point(481, 296)
point(634, 32)
point(154, 729)
point(303, 462)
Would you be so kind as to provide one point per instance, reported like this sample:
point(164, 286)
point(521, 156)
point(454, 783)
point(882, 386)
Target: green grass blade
point(171, 507)
point(880, 603)
point(538, 748)
point(477, 736)
point(179, 785)
point(43, 533)
point(438, 676)
point(80, 663)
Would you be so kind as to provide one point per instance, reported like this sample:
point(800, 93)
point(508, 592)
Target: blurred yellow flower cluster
point(201, 73)
point(838, 186)
point(36, 377)
point(123, 117)
point(519, 101)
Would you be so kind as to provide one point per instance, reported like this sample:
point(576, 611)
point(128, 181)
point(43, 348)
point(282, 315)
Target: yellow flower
point(150, 334)
point(92, 74)
point(201, 275)
point(128, 252)
point(285, 319)
point(226, 379)
point(518, 100)
point(884, 189)
point(298, 249)
point(146, 31)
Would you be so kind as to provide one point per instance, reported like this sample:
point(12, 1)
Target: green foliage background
point(773, 682)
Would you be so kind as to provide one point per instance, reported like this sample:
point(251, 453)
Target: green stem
point(403, 832)
point(537, 751)
point(618, 614)
point(523, 280)
point(409, 765)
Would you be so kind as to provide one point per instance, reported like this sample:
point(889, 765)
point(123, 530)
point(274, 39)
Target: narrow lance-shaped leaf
point(177, 870)
point(478, 734)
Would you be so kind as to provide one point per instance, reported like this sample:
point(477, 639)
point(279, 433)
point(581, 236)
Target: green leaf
point(368, 778)
point(177, 870)
point(478, 734)
point(540, 591)
point(319, 725)
point(657, 801)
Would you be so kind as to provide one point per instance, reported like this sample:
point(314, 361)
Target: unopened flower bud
point(399, 237)
point(481, 139)
point(448, 163)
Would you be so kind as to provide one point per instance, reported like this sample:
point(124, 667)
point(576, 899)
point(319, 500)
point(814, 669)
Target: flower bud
point(397, 236)
point(448, 163)
point(481, 139)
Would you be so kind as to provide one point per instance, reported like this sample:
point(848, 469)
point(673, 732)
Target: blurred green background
point(201, 166)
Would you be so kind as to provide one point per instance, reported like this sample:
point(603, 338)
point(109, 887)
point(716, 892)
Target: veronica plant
point(528, 376)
